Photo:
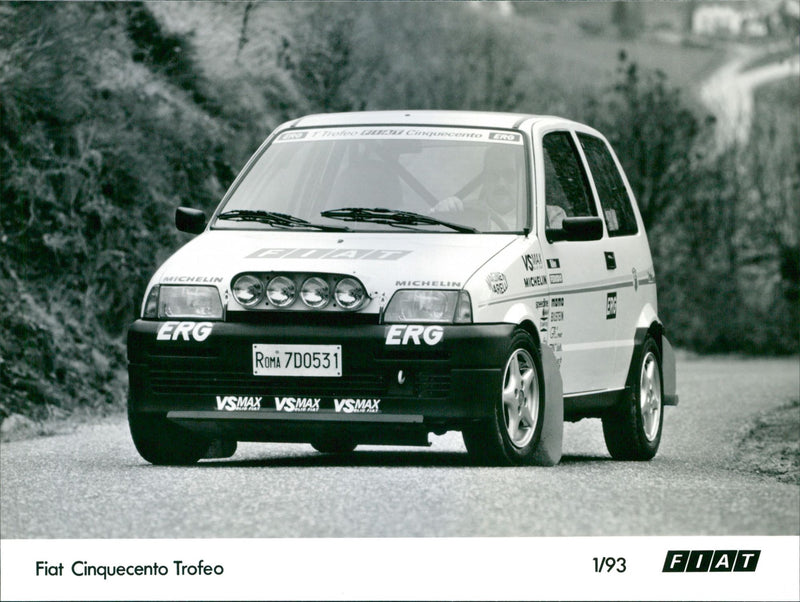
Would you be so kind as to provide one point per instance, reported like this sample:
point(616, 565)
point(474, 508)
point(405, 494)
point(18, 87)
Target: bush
point(93, 166)
point(722, 226)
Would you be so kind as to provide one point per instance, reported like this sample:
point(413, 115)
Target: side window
point(614, 199)
point(565, 184)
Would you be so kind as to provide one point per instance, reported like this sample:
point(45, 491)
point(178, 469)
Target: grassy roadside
point(17, 427)
point(770, 444)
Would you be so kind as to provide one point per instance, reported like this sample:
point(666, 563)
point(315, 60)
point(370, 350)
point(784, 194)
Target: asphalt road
point(92, 483)
point(728, 92)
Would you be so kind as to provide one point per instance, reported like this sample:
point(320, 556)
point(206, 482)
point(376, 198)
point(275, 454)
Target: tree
point(321, 56)
point(628, 18)
point(454, 59)
point(243, 36)
point(654, 133)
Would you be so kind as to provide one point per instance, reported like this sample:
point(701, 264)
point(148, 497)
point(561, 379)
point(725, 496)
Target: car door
point(626, 246)
point(579, 330)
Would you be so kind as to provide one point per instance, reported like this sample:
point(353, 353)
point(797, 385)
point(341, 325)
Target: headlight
point(349, 294)
point(150, 308)
point(281, 291)
point(189, 302)
point(446, 307)
point(315, 292)
point(248, 290)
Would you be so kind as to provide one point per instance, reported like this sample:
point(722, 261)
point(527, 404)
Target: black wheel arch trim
point(668, 371)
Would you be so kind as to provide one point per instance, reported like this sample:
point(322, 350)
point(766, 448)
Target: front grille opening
point(179, 383)
point(194, 382)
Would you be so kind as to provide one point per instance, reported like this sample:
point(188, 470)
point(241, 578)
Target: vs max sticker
point(297, 404)
point(233, 403)
point(357, 406)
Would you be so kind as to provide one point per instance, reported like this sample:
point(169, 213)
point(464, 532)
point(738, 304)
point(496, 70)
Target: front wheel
point(162, 442)
point(632, 430)
point(510, 436)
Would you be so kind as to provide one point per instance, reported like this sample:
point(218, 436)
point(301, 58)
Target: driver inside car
point(497, 205)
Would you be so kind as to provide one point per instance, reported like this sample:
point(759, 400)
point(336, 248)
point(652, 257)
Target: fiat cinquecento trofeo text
point(371, 278)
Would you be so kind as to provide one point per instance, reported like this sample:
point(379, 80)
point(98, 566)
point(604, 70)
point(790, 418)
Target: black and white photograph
point(400, 300)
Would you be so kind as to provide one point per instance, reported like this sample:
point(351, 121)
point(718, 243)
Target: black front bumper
point(386, 393)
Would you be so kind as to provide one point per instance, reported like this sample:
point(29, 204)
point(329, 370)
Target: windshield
point(375, 177)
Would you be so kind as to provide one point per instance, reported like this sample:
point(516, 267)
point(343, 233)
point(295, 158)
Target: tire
point(162, 442)
point(510, 436)
point(632, 430)
point(334, 446)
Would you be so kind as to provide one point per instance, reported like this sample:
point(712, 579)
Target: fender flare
point(549, 450)
point(519, 313)
point(669, 381)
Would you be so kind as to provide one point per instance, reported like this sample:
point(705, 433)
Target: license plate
point(297, 360)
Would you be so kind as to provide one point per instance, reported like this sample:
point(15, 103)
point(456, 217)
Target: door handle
point(611, 261)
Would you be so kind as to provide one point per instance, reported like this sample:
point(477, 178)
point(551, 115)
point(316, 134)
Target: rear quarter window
point(614, 199)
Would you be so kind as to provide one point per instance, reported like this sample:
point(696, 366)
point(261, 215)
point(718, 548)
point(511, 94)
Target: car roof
point(437, 118)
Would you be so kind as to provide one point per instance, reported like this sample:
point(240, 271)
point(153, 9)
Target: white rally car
point(371, 278)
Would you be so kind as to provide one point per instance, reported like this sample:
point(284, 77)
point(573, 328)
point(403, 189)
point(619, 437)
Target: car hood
point(383, 262)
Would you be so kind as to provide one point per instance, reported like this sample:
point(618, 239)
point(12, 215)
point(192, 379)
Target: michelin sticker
point(192, 279)
point(428, 283)
point(533, 281)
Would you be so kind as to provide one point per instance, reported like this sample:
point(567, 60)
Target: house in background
point(756, 19)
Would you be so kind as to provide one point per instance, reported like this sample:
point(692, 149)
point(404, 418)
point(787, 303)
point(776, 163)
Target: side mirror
point(190, 220)
point(577, 228)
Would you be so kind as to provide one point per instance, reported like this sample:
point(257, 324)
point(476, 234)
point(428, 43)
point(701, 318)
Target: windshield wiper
point(391, 217)
point(274, 218)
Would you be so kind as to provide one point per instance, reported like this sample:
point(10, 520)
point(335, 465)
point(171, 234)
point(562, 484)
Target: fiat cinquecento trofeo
point(371, 278)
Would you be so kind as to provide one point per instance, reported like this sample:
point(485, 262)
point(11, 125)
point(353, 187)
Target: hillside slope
point(113, 114)
point(104, 131)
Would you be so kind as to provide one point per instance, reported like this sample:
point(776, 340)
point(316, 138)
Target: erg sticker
point(186, 331)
